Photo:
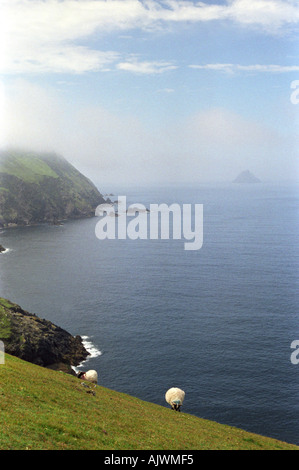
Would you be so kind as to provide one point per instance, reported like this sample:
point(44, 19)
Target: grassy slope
point(5, 327)
point(33, 167)
point(28, 167)
point(43, 409)
point(39, 187)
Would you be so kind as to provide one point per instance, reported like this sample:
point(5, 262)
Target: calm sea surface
point(217, 322)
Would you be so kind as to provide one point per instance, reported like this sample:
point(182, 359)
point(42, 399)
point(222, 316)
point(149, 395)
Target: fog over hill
point(43, 187)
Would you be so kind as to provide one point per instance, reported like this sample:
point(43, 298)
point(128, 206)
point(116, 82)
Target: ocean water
point(217, 322)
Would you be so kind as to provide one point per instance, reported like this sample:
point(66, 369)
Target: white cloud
point(146, 67)
point(181, 11)
point(44, 36)
point(259, 68)
point(215, 67)
point(50, 59)
point(166, 90)
point(268, 14)
point(47, 36)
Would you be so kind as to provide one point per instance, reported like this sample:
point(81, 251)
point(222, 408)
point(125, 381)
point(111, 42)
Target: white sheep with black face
point(175, 397)
point(90, 376)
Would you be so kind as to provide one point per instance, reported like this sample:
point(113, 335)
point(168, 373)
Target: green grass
point(33, 167)
point(41, 409)
point(5, 328)
point(28, 167)
point(6, 303)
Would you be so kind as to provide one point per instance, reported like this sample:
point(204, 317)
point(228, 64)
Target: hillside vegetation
point(37, 340)
point(43, 187)
point(42, 409)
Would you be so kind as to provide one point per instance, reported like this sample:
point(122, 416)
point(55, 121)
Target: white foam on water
point(91, 349)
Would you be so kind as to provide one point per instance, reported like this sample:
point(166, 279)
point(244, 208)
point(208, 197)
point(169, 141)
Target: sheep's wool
point(91, 376)
point(175, 395)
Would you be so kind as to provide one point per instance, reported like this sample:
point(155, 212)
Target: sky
point(144, 92)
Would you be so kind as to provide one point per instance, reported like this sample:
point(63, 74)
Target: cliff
point(38, 341)
point(43, 187)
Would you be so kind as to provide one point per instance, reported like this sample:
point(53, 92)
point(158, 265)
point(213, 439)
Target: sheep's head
point(176, 404)
point(175, 397)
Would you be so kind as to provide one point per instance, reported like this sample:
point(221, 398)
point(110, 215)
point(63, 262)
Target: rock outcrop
point(246, 177)
point(39, 341)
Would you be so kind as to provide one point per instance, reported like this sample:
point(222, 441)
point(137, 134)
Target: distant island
point(246, 177)
point(43, 187)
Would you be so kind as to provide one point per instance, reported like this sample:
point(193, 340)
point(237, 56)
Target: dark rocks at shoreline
point(39, 341)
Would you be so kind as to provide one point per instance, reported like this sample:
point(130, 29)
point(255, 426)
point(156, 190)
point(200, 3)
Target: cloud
point(94, 139)
point(259, 68)
point(146, 67)
point(50, 36)
point(119, 149)
point(33, 116)
point(50, 59)
point(46, 36)
point(217, 144)
point(271, 15)
point(166, 90)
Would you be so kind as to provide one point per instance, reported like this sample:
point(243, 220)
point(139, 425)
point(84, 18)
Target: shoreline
point(91, 349)
point(55, 223)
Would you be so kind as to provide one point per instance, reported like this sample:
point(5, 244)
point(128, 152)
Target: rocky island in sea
point(246, 177)
point(43, 188)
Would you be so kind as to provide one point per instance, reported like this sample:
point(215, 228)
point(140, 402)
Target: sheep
point(90, 376)
point(175, 397)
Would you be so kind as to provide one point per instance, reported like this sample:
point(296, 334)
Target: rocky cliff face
point(39, 341)
point(38, 188)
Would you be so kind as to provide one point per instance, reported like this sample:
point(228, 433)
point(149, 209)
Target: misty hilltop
point(43, 187)
point(246, 177)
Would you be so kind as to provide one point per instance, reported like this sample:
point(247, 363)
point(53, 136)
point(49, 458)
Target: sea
point(218, 322)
